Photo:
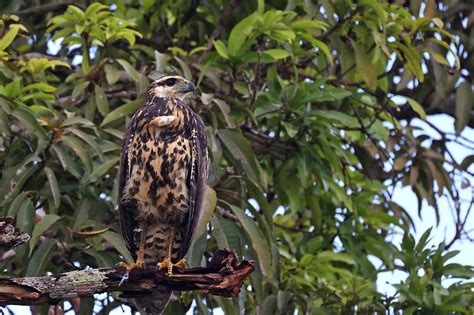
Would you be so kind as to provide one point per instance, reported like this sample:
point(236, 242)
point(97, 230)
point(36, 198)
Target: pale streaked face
point(171, 86)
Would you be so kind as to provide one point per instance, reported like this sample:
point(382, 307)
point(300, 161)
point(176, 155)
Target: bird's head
point(171, 86)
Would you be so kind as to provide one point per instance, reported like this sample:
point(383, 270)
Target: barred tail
point(154, 303)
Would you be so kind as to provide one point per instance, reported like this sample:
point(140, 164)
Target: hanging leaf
point(240, 151)
point(464, 106)
point(53, 185)
point(259, 244)
point(40, 259)
point(117, 241)
point(46, 222)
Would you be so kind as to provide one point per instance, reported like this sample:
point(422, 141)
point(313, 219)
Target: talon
point(181, 263)
point(136, 265)
point(167, 264)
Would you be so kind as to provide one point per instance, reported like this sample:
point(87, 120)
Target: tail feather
point(155, 302)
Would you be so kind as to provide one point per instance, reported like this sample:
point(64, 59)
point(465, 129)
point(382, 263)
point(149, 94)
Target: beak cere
point(190, 87)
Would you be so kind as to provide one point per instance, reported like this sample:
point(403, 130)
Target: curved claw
point(167, 264)
point(139, 264)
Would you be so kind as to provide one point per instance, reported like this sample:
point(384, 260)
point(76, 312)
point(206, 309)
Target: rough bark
point(10, 235)
point(222, 276)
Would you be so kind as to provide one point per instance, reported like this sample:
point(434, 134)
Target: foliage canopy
point(309, 108)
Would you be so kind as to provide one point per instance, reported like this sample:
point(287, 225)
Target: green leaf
point(239, 34)
point(17, 203)
point(122, 111)
point(41, 227)
point(9, 36)
point(464, 106)
point(221, 49)
point(117, 241)
point(53, 185)
point(259, 244)
point(78, 148)
point(225, 109)
point(25, 216)
point(88, 139)
point(417, 108)
point(241, 152)
point(40, 259)
point(337, 117)
point(45, 87)
point(303, 25)
point(277, 53)
point(364, 65)
point(29, 121)
point(112, 74)
point(134, 74)
point(101, 100)
point(100, 171)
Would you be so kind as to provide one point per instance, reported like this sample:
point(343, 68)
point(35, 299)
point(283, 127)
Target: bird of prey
point(163, 175)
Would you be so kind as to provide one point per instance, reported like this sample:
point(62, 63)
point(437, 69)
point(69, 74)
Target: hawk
point(163, 175)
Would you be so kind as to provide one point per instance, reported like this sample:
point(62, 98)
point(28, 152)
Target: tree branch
point(223, 276)
point(10, 235)
point(46, 8)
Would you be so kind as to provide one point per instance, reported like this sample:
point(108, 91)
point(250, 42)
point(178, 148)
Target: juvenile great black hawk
point(163, 175)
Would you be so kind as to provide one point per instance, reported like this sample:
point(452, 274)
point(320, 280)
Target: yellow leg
point(167, 263)
point(141, 254)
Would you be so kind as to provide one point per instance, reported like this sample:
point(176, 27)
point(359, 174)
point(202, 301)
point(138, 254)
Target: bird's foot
point(136, 265)
point(167, 264)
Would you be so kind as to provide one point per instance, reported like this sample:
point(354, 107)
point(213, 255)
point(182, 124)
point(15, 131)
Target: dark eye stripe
point(169, 82)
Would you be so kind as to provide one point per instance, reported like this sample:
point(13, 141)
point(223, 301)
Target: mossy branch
point(222, 276)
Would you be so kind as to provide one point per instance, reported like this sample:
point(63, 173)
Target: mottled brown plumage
point(163, 174)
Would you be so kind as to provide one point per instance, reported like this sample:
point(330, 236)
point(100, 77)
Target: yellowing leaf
point(417, 107)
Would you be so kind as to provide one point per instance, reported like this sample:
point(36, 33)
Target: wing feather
point(127, 212)
point(197, 182)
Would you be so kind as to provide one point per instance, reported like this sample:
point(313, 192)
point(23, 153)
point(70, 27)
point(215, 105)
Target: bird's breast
point(159, 167)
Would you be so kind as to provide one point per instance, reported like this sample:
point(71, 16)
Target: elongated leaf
point(41, 227)
point(240, 150)
point(101, 100)
point(117, 241)
point(221, 49)
point(259, 243)
point(100, 171)
point(79, 150)
point(239, 34)
point(112, 74)
point(16, 204)
point(40, 259)
point(134, 75)
point(122, 111)
point(90, 233)
point(225, 109)
point(338, 117)
point(29, 121)
point(9, 36)
point(417, 107)
point(464, 106)
point(25, 216)
point(89, 140)
point(277, 53)
point(364, 66)
point(53, 185)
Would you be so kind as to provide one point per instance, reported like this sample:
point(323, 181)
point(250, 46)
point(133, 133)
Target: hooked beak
point(190, 87)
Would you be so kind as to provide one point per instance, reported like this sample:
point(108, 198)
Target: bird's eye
point(170, 82)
